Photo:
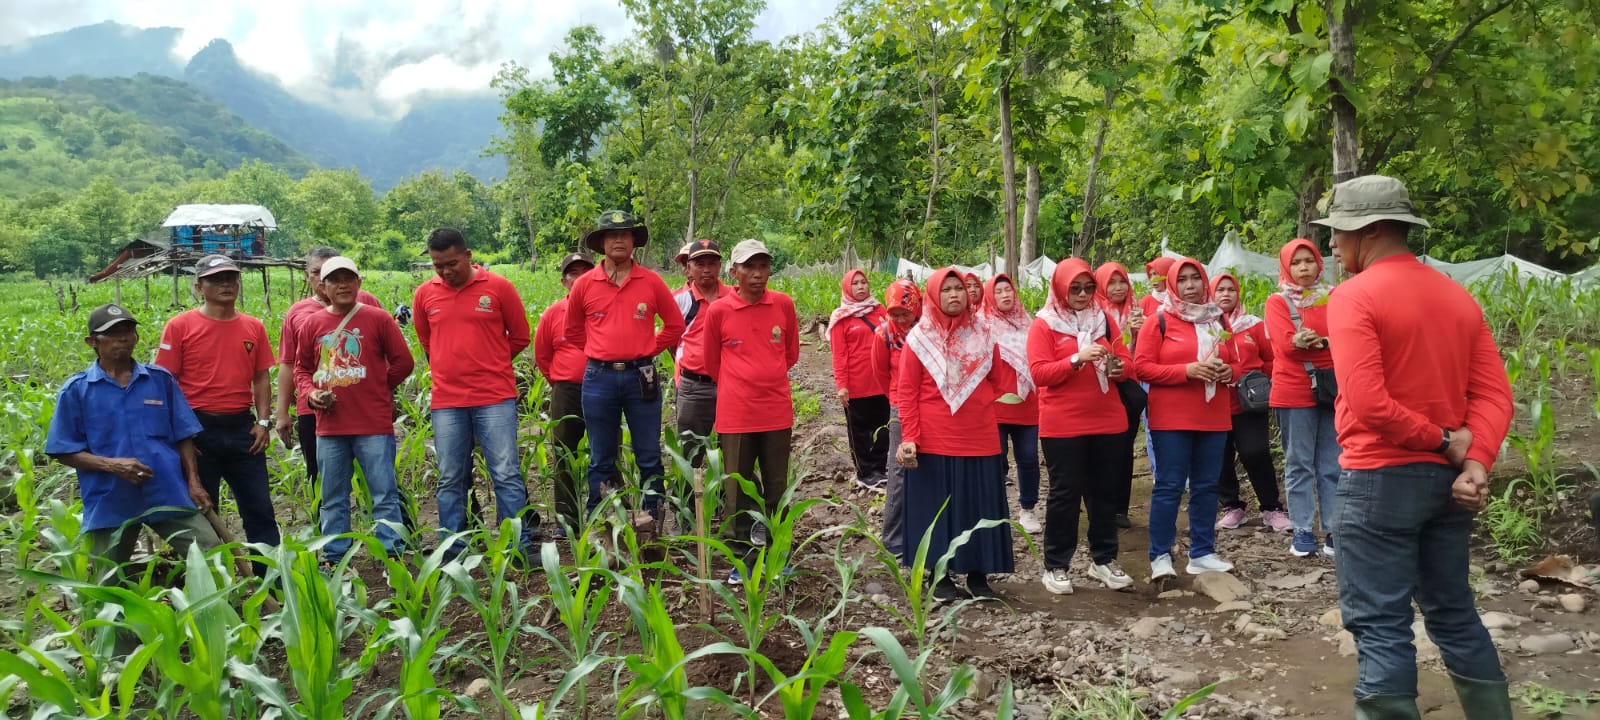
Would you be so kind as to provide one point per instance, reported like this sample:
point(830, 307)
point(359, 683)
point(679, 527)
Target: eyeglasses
point(1081, 289)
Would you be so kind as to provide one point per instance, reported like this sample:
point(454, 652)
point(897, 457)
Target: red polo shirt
point(288, 350)
point(851, 341)
point(690, 356)
point(748, 349)
point(558, 360)
point(1412, 350)
point(471, 336)
point(1176, 402)
point(615, 323)
point(1070, 401)
point(215, 361)
point(925, 418)
point(363, 365)
point(1291, 386)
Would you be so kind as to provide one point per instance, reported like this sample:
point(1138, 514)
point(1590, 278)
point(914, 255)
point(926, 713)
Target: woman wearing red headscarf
point(904, 301)
point(851, 331)
point(1251, 438)
point(1155, 273)
point(1310, 442)
point(1018, 408)
point(1076, 352)
point(1182, 353)
point(1114, 293)
point(974, 286)
point(950, 445)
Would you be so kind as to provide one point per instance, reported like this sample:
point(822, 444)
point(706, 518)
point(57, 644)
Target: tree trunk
point(1030, 216)
point(1008, 161)
point(1310, 192)
point(934, 159)
point(1341, 16)
point(1080, 246)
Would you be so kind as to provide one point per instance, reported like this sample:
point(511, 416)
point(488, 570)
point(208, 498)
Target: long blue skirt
point(966, 490)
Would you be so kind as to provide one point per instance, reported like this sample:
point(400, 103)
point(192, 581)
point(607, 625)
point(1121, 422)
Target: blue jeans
point(609, 396)
point(1402, 538)
point(337, 456)
point(493, 430)
point(1310, 465)
point(1025, 440)
point(1192, 458)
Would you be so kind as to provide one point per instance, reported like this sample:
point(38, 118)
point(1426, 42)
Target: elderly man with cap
point(128, 431)
point(562, 363)
point(471, 324)
point(222, 361)
point(697, 394)
point(1419, 436)
point(611, 313)
point(348, 364)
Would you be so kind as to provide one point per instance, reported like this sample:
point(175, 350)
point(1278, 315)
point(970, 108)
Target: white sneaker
point(1029, 523)
point(1111, 574)
point(1209, 563)
point(1162, 567)
point(1057, 581)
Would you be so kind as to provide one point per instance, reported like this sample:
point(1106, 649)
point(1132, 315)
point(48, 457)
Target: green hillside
point(140, 131)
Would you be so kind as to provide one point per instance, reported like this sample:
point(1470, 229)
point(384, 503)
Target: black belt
point(620, 365)
point(243, 417)
point(692, 375)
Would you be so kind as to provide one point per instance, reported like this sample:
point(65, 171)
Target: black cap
point(616, 220)
point(702, 248)
point(107, 316)
point(213, 264)
point(576, 257)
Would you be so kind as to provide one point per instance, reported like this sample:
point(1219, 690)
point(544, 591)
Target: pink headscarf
point(955, 349)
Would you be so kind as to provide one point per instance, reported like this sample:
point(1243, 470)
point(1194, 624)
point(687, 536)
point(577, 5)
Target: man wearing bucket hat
point(562, 364)
point(697, 394)
point(128, 431)
point(1419, 438)
point(611, 313)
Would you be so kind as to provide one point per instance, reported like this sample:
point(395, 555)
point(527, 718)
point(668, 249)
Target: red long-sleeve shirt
point(1176, 402)
point(558, 360)
point(1254, 351)
point(886, 367)
point(851, 341)
point(925, 418)
point(617, 323)
point(1023, 413)
point(1414, 355)
point(1291, 386)
point(471, 336)
point(748, 350)
point(363, 365)
point(689, 353)
point(1149, 305)
point(1070, 401)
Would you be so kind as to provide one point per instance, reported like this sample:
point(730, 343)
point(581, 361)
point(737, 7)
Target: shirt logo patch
point(640, 311)
point(485, 304)
point(249, 347)
point(777, 334)
point(155, 402)
point(434, 311)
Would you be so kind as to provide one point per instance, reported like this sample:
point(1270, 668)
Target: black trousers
point(742, 453)
point(223, 447)
point(867, 424)
point(1251, 442)
point(1082, 473)
point(1122, 484)
point(305, 430)
point(569, 475)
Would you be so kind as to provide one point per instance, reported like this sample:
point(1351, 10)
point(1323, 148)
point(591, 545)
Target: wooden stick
point(241, 564)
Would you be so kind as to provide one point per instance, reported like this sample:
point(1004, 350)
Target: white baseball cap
point(339, 262)
point(747, 249)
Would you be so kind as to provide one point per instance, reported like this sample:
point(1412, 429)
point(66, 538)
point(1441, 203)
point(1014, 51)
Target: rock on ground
point(1221, 587)
point(1547, 644)
point(1147, 627)
point(1573, 602)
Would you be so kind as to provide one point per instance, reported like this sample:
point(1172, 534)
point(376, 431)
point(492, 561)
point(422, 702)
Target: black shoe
point(945, 591)
point(1123, 521)
point(978, 586)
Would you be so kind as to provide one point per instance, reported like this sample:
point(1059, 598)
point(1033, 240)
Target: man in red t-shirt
point(350, 358)
point(472, 325)
point(223, 362)
point(561, 363)
point(696, 399)
point(1425, 408)
point(751, 340)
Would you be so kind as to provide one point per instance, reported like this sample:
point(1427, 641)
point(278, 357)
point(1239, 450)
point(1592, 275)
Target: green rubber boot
point(1387, 707)
point(1483, 699)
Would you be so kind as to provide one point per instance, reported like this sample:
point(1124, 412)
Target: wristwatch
point(1445, 444)
point(265, 422)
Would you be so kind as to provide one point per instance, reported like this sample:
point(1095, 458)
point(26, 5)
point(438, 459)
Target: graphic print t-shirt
point(361, 364)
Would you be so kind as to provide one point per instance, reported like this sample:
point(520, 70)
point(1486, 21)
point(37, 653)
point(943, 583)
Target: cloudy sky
point(389, 51)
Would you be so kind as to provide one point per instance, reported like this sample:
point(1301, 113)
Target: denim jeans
point(1402, 538)
point(337, 456)
point(1192, 458)
point(1310, 465)
point(493, 430)
point(608, 396)
point(1149, 443)
point(1024, 439)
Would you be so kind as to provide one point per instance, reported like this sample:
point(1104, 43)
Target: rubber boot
point(1483, 699)
point(1387, 707)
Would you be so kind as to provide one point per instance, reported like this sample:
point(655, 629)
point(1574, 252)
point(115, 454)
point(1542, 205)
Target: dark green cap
point(616, 220)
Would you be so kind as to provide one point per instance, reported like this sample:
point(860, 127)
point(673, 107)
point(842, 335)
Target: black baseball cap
point(702, 248)
point(213, 264)
point(576, 257)
point(107, 316)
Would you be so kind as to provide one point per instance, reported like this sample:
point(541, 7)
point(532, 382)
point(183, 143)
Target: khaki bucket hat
point(1362, 201)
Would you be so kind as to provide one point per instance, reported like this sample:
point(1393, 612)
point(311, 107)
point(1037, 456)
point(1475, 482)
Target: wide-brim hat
point(1362, 201)
point(616, 220)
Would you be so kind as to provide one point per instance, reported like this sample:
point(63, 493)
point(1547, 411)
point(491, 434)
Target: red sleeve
point(1264, 342)
point(671, 319)
point(266, 358)
point(710, 338)
point(1489, 401)
point(1047, 371)
point(169, 353)
point(1281, 327)
point(370, 300)
point(880, 366)
point(1151, 369)
point(305, 362)
point(286, 348)
point(911, 373)
point(792, 332)
point(419, 317)
point(516, 318)
point(1358, 363)
point(398, 353)
point(574, 320)
point(841, 372)
point(544, 340)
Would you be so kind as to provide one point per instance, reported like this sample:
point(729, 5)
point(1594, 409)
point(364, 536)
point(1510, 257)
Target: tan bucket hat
point(1359, 202)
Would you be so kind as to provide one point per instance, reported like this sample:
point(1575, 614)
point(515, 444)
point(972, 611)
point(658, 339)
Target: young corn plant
point(320, 612)
point(579, 602)
point(502, 611)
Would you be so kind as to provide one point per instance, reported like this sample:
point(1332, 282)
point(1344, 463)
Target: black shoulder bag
point(1324, 387)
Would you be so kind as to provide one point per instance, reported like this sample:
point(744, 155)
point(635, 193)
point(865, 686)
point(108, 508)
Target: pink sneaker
point(1231, 519)
point(1277, 520)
